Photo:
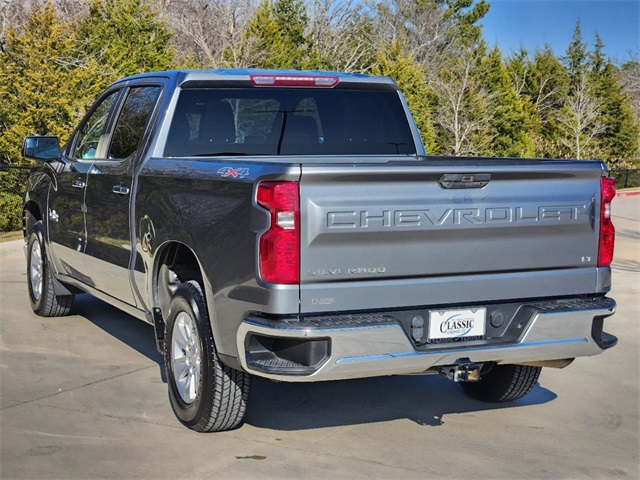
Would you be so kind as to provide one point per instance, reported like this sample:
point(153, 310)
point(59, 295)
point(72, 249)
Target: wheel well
point(31, 214)
point(177, 264)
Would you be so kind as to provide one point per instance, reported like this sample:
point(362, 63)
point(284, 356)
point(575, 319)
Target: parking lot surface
point(84, 397)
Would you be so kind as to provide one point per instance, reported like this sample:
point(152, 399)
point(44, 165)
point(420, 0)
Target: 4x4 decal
point(234, 172)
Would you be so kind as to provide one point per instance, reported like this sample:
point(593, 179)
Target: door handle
point(78, 183)
point(120, 189)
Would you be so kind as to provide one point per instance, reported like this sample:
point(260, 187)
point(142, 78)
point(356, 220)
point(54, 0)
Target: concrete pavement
point(84, 397)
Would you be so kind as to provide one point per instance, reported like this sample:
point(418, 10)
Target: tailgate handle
point(464, 180)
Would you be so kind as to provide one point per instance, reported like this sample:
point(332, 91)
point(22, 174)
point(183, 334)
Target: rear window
point(272, 121)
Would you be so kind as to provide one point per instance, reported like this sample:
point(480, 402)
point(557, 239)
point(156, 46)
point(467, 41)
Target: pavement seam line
point(76, 388)
point(107, 415)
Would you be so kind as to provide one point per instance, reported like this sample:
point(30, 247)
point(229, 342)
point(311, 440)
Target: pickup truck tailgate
point(460, 231)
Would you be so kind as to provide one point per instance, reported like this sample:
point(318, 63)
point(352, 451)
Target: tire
point(44, 300)
point(503, 383)
point(205, 394)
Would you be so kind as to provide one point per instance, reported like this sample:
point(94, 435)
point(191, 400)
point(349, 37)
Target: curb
point(633, 193)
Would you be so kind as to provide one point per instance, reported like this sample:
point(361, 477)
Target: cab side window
point(131, 123)
point(94, 129)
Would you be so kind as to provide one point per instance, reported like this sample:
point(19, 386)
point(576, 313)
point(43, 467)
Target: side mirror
point(41, 148)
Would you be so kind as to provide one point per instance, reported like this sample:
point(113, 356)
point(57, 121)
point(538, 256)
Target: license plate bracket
point(457, 324)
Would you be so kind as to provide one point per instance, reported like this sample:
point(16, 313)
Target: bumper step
point(607, 341)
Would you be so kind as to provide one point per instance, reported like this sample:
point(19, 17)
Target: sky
point(511, 23)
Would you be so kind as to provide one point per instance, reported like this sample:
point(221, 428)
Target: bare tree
point(580, 119)
point(210, 32)
point(464, 105)
point(423, 27)
point(337, 31)
point(17, 13)
point(630, 80)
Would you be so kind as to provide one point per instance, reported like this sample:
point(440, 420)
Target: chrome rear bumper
point(376, 345)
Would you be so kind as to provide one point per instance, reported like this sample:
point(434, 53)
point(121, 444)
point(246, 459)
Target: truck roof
point(245, 74)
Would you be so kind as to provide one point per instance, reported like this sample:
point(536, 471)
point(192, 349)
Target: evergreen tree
point(465, 14)
point(126, 37)
point(576, 59)
point(396, 63)
point(277, 35)
point(547, 87)
point(508, 127)
point(518, 66)
point(597, 59)
point(619, 141)
point(46, 83)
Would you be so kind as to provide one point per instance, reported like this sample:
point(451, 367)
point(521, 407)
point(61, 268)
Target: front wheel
point(42, 295)
point(206, 395)
point(503, 383)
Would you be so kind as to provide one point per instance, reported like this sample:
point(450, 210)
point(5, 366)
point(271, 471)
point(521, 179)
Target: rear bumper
point(353, 346)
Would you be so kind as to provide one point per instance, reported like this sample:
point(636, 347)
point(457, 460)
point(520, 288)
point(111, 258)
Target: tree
point(518, 67)
point(47, 82)
point(466, 14)
point(277, 35)
point(630, 81)
point(463, 105)
point(433, 30)
point(342, 36)
point(579, 120)
point(619, 141)
point(576, 58)
point(125, 37)
point(208, 33)
point(542, 84)
point(399, 65)
point(509, 123)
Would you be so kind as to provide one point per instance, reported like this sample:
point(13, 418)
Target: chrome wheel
point(36, 270)
point(186, 357)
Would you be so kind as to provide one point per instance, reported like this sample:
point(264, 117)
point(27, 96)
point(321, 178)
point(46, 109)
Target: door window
point(93, 131)
point(132, 121)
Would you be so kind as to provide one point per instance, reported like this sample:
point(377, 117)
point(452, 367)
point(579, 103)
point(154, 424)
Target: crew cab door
point(109, 192)
point(66, 219)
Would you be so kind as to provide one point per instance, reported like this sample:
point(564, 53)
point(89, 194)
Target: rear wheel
point(503, 383)
point(42, 295)
point(206, 395)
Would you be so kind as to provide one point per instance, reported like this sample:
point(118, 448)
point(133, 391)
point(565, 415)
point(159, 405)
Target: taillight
point(607, 231)
point(280, 245)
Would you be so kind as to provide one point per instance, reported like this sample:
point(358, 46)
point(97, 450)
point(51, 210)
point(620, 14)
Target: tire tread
point(504, 383)
point(228, 399)
point(50, 305)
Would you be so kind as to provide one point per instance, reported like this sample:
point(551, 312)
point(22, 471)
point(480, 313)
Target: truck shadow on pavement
point(423, 399)
point(135, 333)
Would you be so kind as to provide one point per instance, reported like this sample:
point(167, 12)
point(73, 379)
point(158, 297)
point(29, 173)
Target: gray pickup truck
point(290, 225)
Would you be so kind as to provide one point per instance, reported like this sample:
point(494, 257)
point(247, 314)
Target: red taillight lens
point(280, 245)
point(607, 231)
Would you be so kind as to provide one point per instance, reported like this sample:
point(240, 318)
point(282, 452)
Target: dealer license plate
point(457, 324)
